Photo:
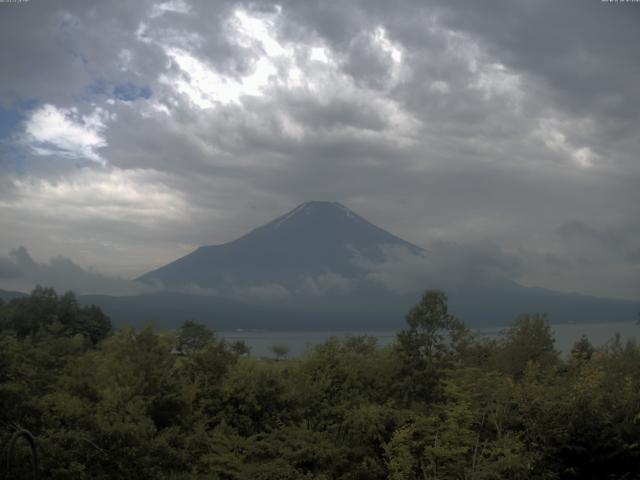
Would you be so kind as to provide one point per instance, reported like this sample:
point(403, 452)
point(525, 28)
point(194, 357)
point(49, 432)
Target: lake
point(299, 342)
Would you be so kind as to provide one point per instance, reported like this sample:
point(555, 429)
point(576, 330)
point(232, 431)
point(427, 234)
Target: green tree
point(202, 374)
point(240, 348)
point(280, 351)
point(455, 441)
point(193, 336)
point(529, 340)
point(256, 397)
point(582, 350)
point(94, 324)
point(428, 347)
point(44, 313)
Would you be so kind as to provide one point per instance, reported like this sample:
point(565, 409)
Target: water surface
point(299, 342)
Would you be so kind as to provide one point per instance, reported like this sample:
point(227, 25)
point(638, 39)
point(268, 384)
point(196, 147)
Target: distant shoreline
point(300, 341)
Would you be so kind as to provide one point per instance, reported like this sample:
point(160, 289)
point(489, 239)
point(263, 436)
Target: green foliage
point(455, 440)
point(255, 397)
point(45, 314)
point(582, 350)
point(240, 348)
point(529, 340)
point(193, 336)
point(428, 347)
point(439, 403)
point(280, 351)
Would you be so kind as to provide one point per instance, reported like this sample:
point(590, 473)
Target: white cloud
point(251, 29)
point(393, 50)
point(205, 86)
point(439, 87)
point(554, 134)
point(494, 79)
point(444, 265)
point(52, 130)
point(119, 221)
point(176, 6)
point(268, 292)
point(319, 54)
point(136, 196)
point(400, 270)
point(325, 283)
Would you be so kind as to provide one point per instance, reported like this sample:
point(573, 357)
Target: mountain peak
point(322, 204)
point(314, 238)
point(314, 208)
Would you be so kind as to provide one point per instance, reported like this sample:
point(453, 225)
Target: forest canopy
point(438, 403)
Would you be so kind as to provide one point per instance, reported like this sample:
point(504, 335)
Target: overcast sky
point(133, 132)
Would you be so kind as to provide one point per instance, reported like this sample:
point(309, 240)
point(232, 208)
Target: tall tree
point(428, 346)
point(193, 336)
point(530, 339)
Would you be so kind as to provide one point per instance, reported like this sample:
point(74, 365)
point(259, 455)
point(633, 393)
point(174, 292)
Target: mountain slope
point(322, 266)
point(315, 238)
point(8, 295)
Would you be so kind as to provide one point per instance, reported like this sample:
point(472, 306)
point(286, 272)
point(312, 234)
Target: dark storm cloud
point(486, 123)
point(367, 63)
point(619, 241)
point(58, 49)
point(334, 114)
point(584, 53)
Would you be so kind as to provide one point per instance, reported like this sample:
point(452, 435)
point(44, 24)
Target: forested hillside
point(439, 403)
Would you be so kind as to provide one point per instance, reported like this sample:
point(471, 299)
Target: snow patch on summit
point(293, 212)
point(348, 212)
point(308, 207)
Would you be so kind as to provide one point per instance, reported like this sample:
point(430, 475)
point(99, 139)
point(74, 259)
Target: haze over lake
point(300, 343)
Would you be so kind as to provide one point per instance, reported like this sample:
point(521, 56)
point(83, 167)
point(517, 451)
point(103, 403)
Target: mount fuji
point(316, 240)
point(322, 266)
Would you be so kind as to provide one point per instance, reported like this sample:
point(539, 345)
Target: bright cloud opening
point(205, 86)
point(176, 6)
point(57, 131)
